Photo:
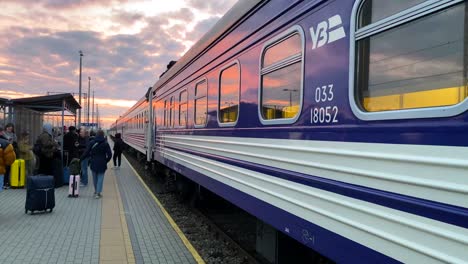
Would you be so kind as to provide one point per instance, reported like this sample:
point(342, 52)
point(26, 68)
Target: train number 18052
point(324, 114)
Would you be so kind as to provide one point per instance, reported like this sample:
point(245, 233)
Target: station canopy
point(49, 103)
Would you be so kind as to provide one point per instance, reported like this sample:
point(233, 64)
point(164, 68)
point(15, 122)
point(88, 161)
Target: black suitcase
point(40, 194)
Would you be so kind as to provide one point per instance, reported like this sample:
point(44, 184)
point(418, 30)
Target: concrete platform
point(127, 225)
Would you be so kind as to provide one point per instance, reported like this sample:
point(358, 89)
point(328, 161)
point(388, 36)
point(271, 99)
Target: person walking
point(7, 156)
point(100, 154)
point(118, 149)
point(83, 141)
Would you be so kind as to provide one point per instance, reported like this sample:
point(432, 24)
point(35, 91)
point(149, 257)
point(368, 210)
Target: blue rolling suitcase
point(40, 194)
point(66, 169)
point(66, 175)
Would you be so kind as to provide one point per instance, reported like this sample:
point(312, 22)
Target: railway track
point(204, 228)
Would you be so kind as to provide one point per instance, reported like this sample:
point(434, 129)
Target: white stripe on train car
point(436, 173)
point(406, 237)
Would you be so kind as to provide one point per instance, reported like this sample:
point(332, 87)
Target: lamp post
point(89, 88)
point(79, 96)
point(97, 116)
point(290, 95)
point(92, 112)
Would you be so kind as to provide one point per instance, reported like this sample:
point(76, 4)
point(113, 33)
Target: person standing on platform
point(9, 134)
point(25, 152)
point(70, 145)
point(46, 147)
point(118, 149)
point(4, 170)
point(83, 141)
point(100, 154)
point(7, 155)
point(92, 134)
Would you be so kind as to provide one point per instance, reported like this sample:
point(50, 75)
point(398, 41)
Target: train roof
point(241, 8)
point(135, 106)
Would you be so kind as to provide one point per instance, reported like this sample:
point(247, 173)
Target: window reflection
point(183, 98)
point(375, 10)
point(165, 112)
point(281, 91)
point(201, 103)
point(282, 50)
point(171, 112)
point(281, 81)
point(229, 94)
point(424, 70)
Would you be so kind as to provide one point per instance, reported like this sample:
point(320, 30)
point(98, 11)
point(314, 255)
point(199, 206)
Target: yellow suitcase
point(18, 174)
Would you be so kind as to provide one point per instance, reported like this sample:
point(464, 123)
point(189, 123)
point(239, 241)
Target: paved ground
point(153, 238)
point(126, 226)
point(70, 234)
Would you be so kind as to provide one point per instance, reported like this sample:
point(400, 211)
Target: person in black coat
point(118, 149)
point(100, 154)
point(70, 145)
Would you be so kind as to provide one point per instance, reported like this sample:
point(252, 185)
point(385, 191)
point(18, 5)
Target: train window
point(201, 103)
point(229, 89)
point(284, 49)
point(171, 112)
point(183, 106)
point(281, 78)
point(374, 10)
point(426, 70)
point(154, 115)
point(165, 113)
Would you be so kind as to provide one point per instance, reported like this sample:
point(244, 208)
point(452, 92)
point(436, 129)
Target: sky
point(126, 45)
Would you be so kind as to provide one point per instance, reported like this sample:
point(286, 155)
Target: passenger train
point(341, 123)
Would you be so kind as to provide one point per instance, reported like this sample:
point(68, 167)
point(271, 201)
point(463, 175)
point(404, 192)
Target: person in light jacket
point(100, 154)
point(83, 141)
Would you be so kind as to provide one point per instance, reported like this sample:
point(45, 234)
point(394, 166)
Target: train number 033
point(324, 114)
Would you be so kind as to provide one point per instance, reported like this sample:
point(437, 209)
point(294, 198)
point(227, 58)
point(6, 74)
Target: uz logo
point(327, 32)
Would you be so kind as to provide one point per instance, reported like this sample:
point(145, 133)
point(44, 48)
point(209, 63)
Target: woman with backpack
point(100, 154)
point(45, 147)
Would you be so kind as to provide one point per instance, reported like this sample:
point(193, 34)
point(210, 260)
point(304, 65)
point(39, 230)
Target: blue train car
point(133, 126)
point(340, 123)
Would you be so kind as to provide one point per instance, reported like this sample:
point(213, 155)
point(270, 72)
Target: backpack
point(75, 166)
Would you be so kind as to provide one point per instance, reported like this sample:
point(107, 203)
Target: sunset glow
point(126, 46)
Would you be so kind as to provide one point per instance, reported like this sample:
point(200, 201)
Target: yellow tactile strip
point(179, 232)
point(128, 242)
point(115, 245)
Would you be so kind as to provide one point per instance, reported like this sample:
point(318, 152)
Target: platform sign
point(89, 124)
